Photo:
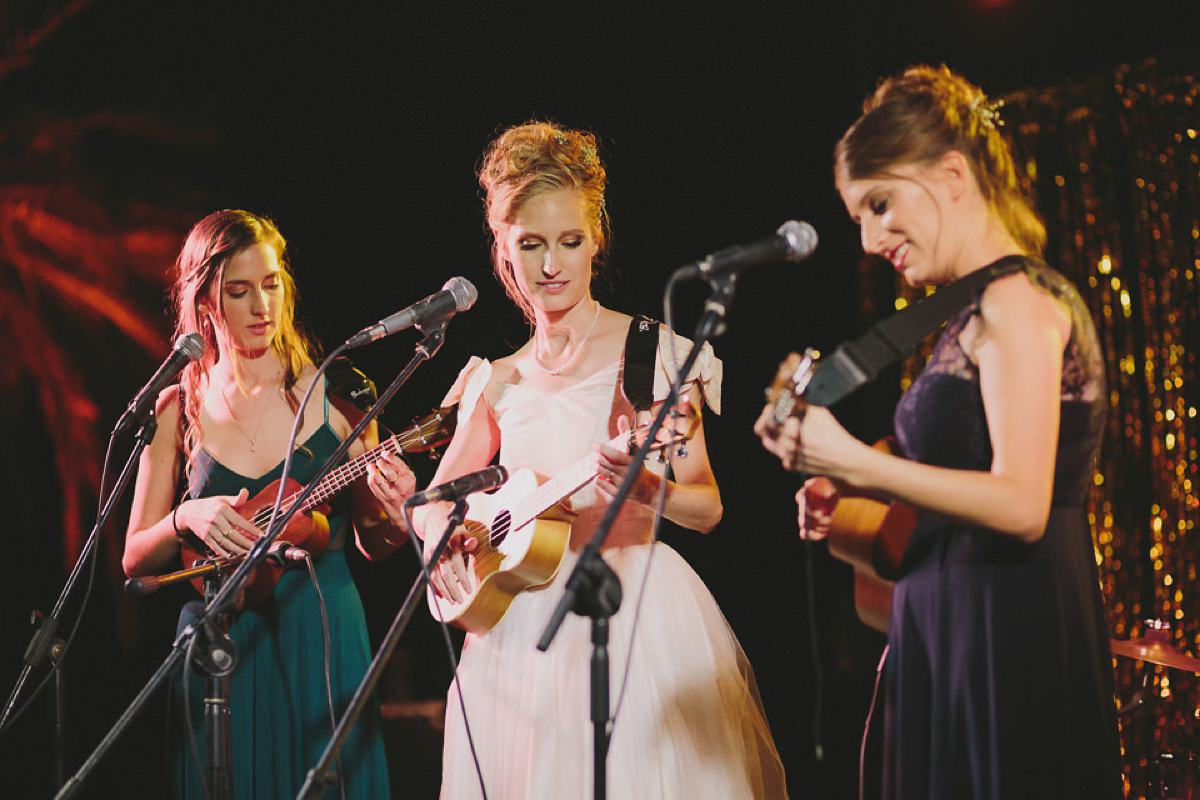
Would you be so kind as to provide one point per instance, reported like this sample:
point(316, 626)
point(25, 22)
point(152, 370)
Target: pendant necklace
point(579, 349)
point(262, 415)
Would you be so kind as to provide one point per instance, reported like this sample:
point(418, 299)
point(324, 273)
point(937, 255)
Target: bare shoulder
point(167, 405)
point(1015, 305)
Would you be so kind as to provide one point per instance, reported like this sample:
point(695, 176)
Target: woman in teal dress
point(223, 432)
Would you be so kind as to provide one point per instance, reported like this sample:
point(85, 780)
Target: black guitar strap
point(641, 349)
point(859, 361)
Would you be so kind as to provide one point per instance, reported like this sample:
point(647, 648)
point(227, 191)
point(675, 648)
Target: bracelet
point(178, 533)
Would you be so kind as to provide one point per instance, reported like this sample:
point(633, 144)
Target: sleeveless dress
point(280, 720)
point(999, 677)
point(690, 724)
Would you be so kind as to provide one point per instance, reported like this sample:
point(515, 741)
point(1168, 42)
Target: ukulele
point(308, 528)
point(866, 533)
point(523, 528)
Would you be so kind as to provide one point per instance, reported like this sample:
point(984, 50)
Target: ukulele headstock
point(429, 432)
point(786, 395)
point(678, 428)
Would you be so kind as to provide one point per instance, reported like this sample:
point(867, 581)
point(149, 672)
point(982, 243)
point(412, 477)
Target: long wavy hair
point(199, 272)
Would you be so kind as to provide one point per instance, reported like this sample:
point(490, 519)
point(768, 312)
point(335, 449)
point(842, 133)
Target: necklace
point(561, 368)
point(261, 416)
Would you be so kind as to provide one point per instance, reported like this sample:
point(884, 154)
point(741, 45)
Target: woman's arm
point(693, 498)
point(1018, 348)
point(152, 538)
point(376, 501)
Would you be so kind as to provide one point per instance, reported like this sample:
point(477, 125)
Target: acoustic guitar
point(866, 533)
point(523, 528)
point(308, 528)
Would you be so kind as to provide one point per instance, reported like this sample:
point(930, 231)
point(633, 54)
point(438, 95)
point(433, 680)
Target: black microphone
point(480, 481)
point(794, 241)
point(458, 294)
point(188, 347)
point(285, 554)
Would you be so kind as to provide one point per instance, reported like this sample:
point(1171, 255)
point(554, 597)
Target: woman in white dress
point(690, 723)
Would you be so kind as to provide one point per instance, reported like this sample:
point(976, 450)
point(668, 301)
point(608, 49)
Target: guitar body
point(872, 536)
point(306, 530)
point(508, 560)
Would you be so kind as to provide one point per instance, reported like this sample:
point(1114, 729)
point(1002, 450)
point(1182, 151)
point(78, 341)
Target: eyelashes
point(528, 246)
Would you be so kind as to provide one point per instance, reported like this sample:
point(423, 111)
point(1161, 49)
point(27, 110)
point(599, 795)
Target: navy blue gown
point(999, 676)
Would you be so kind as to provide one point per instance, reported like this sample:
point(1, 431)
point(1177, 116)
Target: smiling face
point(550, 247)
point(902, 216)
point(250, 299)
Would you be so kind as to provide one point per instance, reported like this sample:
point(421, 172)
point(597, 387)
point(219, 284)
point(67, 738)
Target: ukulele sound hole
point(500, 527)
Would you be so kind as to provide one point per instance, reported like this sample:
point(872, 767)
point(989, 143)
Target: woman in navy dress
point(998, 677)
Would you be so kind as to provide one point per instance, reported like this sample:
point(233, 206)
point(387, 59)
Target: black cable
point(437, 613)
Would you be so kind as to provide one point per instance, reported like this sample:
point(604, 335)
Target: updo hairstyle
point(532, 159)
point(922, 114)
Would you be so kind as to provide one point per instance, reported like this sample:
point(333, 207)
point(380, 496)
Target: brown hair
point(922, 114)
point(209, 246)
point(532, 159)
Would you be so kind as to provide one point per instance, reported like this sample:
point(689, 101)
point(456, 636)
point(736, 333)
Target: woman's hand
point(815, 503)
point(392, 483)
point(216, 522)
point(453, 575)
point(815, 443)
point(613, 465)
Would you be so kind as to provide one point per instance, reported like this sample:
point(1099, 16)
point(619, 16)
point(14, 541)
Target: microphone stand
point(44, 644)
point(228, 592)
point(321, 775)
point(593, 589)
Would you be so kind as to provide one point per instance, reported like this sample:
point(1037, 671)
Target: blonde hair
point(922, 114)
point(209, 246)
point(529, 160)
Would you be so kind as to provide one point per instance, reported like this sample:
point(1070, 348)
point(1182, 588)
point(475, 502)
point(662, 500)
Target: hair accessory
point(987, 111)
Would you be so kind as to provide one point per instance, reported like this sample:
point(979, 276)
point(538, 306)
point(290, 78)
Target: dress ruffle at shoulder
point(706, 372)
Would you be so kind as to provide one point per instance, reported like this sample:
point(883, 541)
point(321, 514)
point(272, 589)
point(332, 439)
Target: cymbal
point(1154, 650)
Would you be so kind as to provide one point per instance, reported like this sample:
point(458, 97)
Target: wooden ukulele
point(866, 533)
point(523, 529)
point(308, 528)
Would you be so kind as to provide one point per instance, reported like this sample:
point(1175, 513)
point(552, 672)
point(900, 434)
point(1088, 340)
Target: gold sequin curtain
point(1114, 163)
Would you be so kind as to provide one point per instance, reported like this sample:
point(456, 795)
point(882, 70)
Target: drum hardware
point(1174, 772)
point(1155, 646)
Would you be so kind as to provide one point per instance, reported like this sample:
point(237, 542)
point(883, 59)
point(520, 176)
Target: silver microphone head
point(190, 344)
point(463, 292)
point(801, 239)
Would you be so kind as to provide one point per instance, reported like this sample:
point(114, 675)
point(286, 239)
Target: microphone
point(458, 294)
point(285, 554)
point(480, 481)
point(794, 241)
point(188, 347)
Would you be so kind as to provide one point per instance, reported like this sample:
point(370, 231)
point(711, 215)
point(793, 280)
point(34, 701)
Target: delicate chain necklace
point(261, 416)
point(561, 368)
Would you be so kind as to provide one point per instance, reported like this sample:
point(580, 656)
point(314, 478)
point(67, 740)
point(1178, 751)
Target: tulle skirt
point(689, 721)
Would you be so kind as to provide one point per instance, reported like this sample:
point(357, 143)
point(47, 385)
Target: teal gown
point(279, 710)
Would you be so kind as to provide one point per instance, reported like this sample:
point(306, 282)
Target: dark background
point(358, 127)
